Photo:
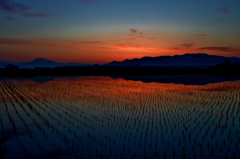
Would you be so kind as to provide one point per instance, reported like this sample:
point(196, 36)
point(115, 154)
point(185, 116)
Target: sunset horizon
point(101, 31)
point(119, 79)
point(16, 62)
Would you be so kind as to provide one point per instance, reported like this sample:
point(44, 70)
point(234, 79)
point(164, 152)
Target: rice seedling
point(101, 117)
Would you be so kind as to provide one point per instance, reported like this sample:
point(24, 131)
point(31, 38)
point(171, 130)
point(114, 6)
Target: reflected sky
point(91, 117)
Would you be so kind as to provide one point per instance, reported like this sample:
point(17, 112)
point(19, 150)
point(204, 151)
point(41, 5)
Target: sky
point(101, 31)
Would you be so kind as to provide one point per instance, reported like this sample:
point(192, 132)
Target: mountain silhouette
point(41, 62)
point(198, 59)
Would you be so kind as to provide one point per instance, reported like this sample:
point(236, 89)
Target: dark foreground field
point(102, 117)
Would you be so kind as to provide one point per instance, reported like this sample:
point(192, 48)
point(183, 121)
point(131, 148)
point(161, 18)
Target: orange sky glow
point(110, 32)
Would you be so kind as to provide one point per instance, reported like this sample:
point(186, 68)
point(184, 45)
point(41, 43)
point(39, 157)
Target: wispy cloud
point(131, 35)
point(91, 42)
point(110, 45)
point(10, 18)
point(201, 35)
point(127, 47)
point(182, 47)
point(37, 15)
point(44, 43)
point(133, 30)
point(87, 1)
point(219, 21)
point(187, 45)
point(18, 8)
point(96, 42)
point(9, 41)
point(150, 38)
point(133, 39)
point(222, 49)
point(13, 7)
point(17, 31)
point(223, 10)
point(173, 49)
point(137, 34)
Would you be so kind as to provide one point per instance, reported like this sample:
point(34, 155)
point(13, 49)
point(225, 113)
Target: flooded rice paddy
point(102, 117)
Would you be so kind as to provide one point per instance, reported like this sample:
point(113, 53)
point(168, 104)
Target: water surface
point(102, 117)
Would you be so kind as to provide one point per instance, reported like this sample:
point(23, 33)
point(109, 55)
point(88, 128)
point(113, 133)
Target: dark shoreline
point(176, 75)
point(220, 70)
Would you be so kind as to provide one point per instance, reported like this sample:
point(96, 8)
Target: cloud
point(222, 49)
point(181, 47)
point(9, 41)
point(13, 7)
point(91, 42)
point(134, 39)
point(137, 34)
point(150, 38)
point(173, 49)
point(16, 8)
point(133, 30)
point(187, 45)
point(97, 42)
point(116, 45)
point(127, 47)
point(75, 45)
point(201, 35)
point(10, 18)
point(131, 35)
point(37, 15)
point(17, 31)
point(219, 21)
point(223, 10)
point(238, 34)
point(86, 1)
point(47, 43)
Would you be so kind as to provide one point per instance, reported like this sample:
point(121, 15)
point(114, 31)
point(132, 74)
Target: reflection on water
point(177, 79)
point(181, 79)
point(102, 117)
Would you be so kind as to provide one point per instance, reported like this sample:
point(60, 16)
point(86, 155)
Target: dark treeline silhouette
point(225, 69)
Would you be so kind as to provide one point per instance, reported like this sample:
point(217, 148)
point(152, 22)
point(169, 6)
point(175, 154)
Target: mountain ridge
point(41, 62)
point(188, 59)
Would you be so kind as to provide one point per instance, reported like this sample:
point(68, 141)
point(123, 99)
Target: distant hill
point(41, 62)
point(198, 59)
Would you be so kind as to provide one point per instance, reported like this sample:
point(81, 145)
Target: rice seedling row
point(98, 117)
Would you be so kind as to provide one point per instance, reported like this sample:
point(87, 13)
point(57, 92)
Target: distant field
point(101, 117)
